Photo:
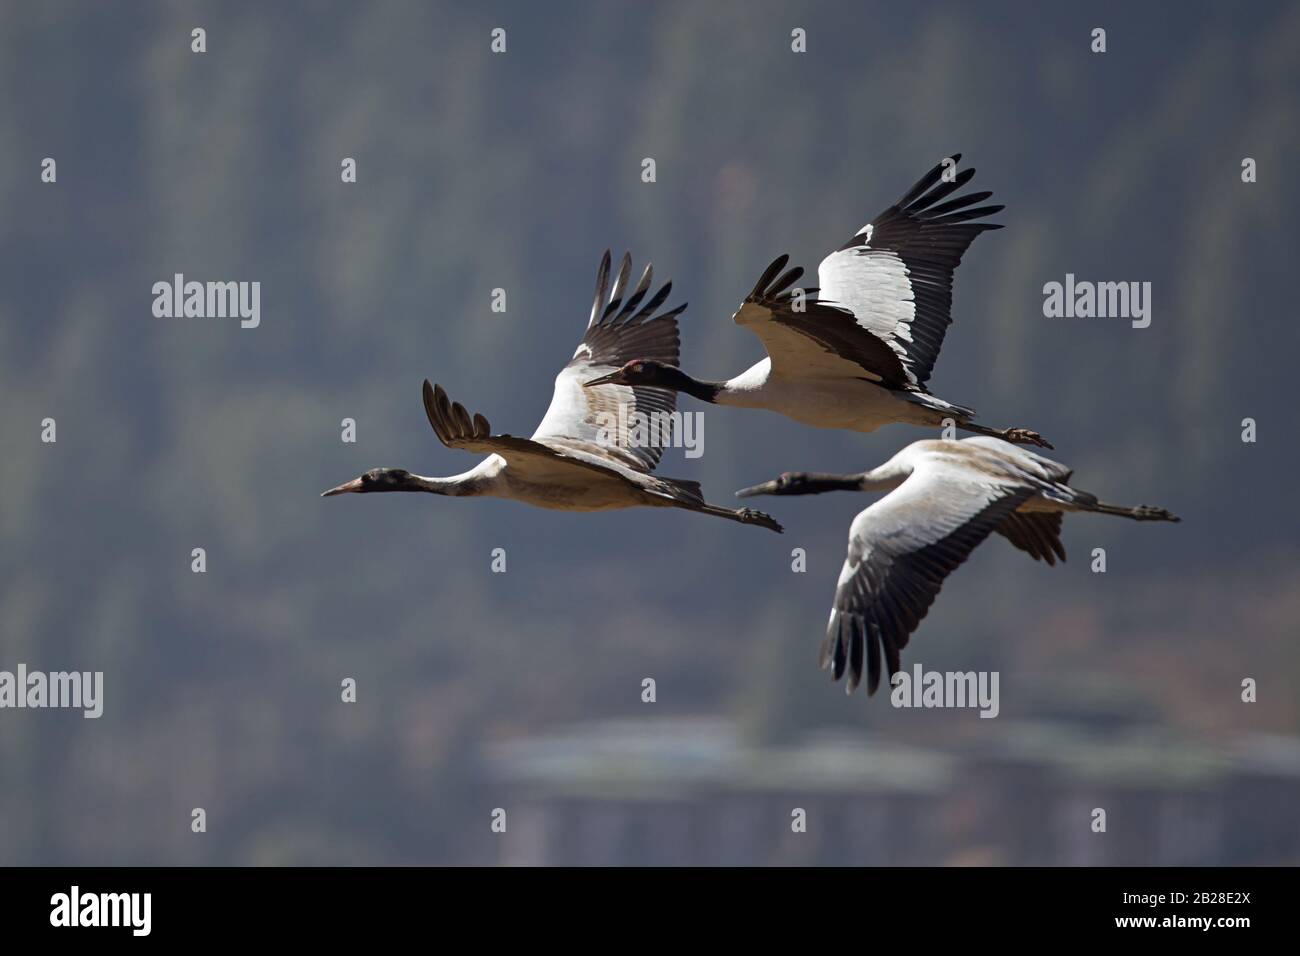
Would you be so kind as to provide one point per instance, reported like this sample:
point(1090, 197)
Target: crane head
point(644, 372)
point(376, 479)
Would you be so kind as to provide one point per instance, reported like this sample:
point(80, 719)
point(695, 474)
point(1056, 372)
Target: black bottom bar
point(333, 905)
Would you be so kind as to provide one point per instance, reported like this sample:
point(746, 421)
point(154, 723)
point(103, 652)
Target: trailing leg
point(1017, 436)
point(1138, 513)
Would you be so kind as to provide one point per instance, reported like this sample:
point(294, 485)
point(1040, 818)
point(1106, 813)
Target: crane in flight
point(857, 352)
point(579, 458)
point(945, 497)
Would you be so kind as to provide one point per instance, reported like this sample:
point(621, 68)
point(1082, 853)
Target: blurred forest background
point(477, 171)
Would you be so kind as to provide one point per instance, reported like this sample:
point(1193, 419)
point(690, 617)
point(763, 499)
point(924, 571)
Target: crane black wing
point(900, 551)
point(602, 420)
point(895, 275)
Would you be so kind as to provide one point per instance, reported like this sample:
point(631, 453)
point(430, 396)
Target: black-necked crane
point(581, 457)
point(857, 352)
point(945, 497)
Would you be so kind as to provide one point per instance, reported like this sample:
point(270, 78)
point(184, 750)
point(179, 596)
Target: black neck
point(815, 484)
point(678, 380)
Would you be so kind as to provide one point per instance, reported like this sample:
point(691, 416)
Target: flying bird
point(945, 497)
point(857, 352)
point(582, 456)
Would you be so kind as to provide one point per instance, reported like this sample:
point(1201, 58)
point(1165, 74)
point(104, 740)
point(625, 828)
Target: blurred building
point(692, 791)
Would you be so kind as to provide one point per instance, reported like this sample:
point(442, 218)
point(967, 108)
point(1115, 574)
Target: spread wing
point(457, 428)
point(603, 420)
point(900, 551)
point(806, 337)
point(895, 275)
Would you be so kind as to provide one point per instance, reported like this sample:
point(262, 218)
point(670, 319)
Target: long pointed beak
point(353, 485)
point(603, 380)
point(766, 488)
